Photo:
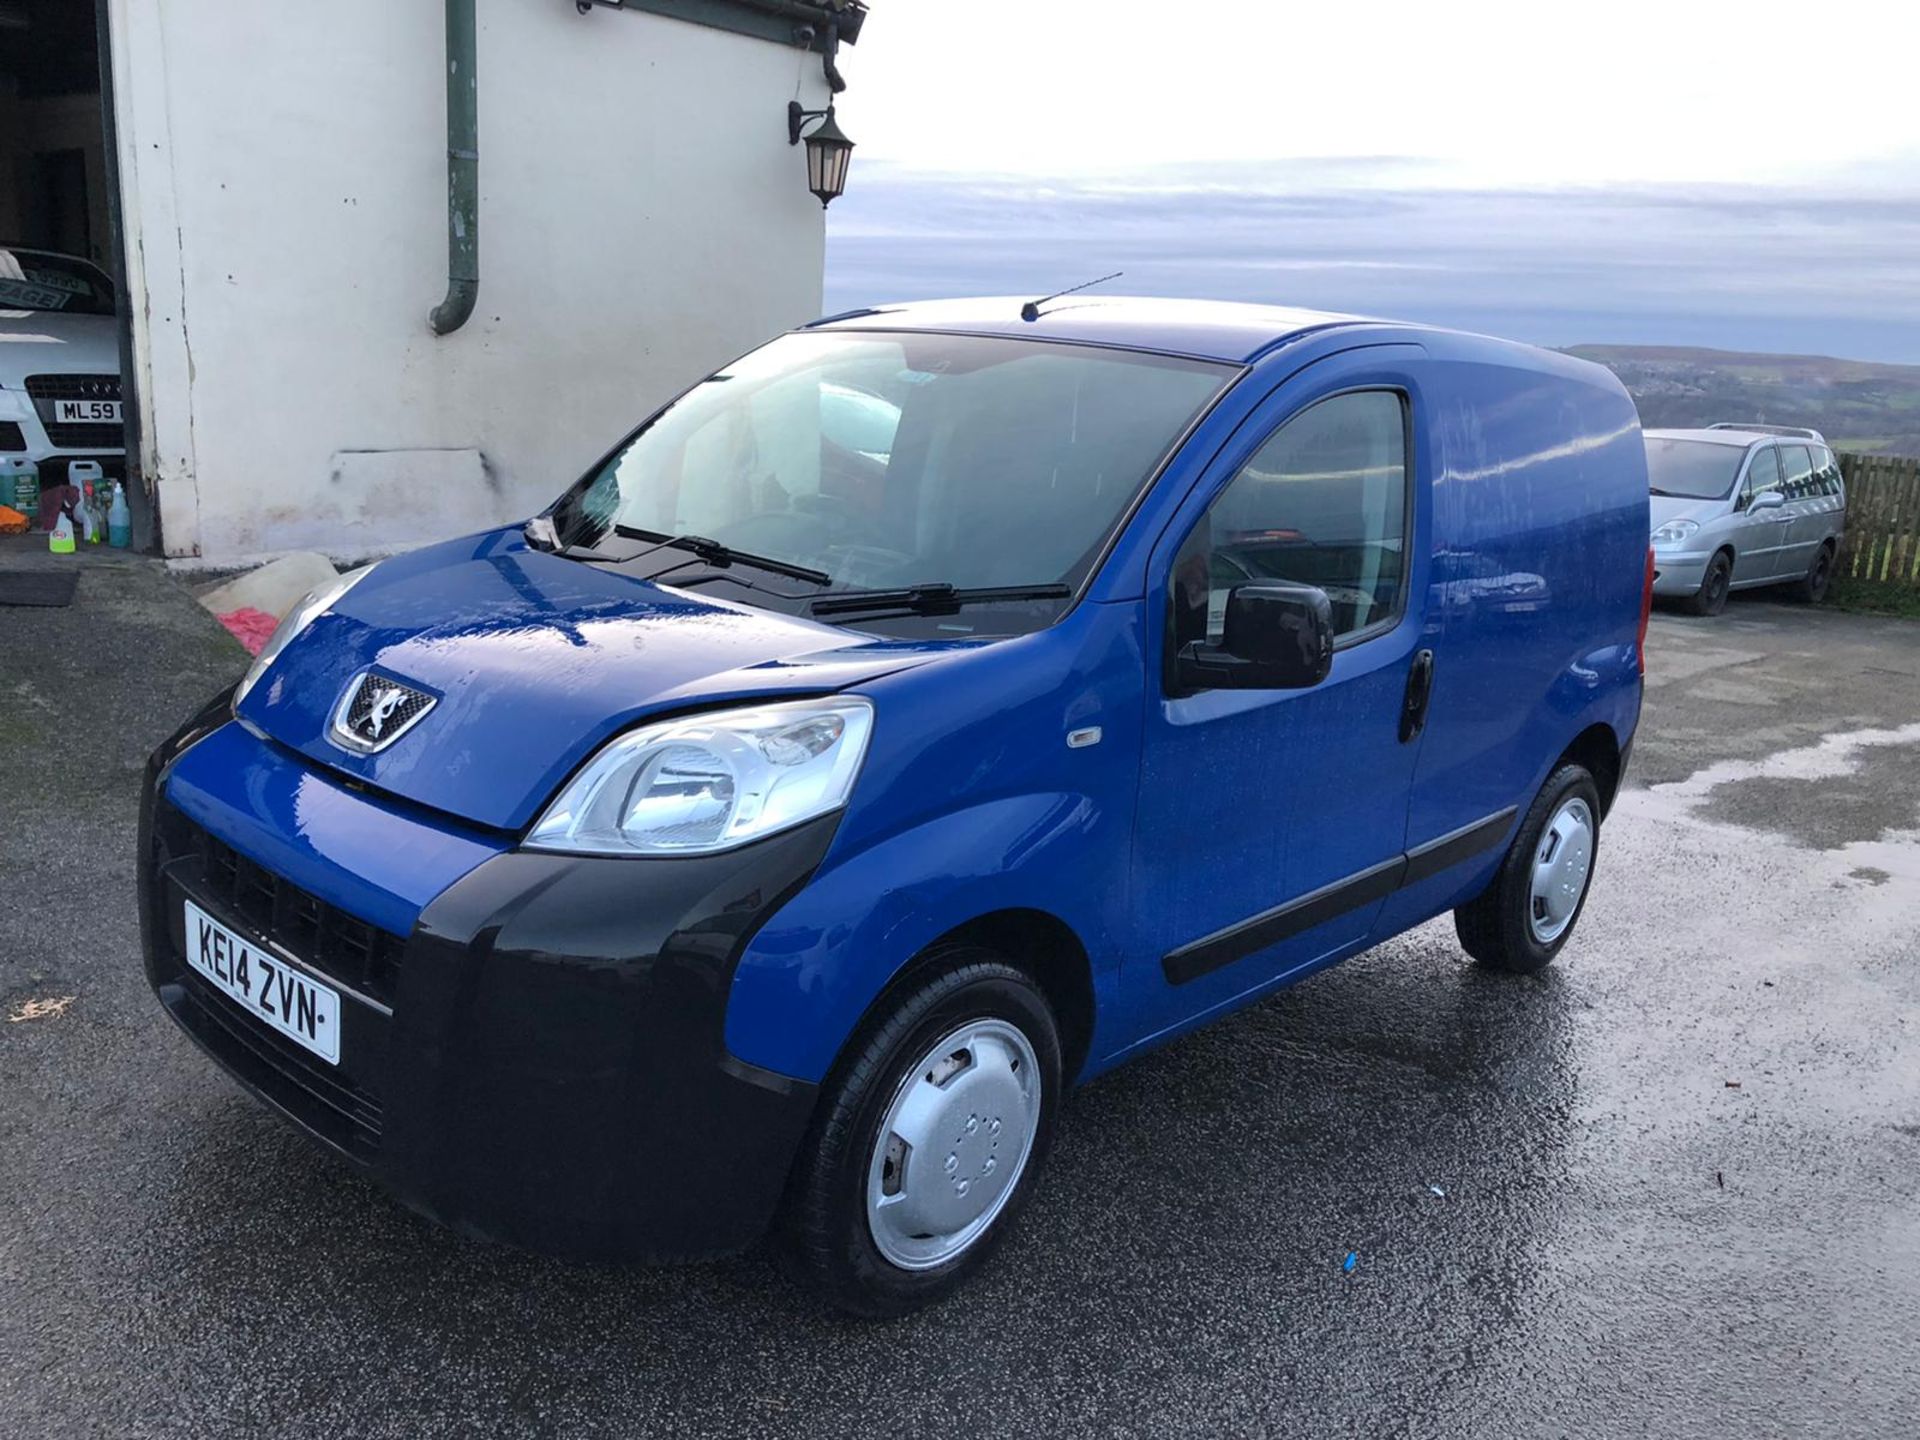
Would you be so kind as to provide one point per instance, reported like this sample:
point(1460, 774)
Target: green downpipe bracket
point(463, 173)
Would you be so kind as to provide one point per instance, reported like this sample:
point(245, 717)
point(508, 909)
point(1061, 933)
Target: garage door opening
point(63, 321)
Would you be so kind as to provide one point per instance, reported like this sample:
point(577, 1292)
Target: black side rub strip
point(1426, 861)
point(1270, 927)
point(1316, 907)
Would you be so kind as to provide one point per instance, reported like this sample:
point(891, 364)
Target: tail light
point(1646, 614)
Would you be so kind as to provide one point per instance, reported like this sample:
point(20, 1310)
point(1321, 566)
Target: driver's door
point(1271, 822)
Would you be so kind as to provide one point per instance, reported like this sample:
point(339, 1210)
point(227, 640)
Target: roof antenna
point(1031, 310)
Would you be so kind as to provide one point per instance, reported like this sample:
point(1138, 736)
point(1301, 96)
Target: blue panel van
point(926, 713)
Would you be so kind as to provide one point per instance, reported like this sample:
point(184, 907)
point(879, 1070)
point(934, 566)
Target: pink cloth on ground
point(251, 627)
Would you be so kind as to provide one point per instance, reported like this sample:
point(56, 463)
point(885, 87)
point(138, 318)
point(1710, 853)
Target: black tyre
point(929, 1138)
point(1525, 915)
point(1811, 588)
point(1711, 597)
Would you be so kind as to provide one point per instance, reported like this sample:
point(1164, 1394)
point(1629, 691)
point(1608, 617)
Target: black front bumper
point(541, 1061)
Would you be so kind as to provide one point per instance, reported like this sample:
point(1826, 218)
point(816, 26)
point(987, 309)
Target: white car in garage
point(59, 363)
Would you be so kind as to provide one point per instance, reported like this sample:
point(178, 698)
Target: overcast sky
point(1740, 175)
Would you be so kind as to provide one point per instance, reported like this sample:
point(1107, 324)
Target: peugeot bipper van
point(767, 835)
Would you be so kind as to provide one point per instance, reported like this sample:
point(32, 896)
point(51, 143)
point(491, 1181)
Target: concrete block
point(275, 587)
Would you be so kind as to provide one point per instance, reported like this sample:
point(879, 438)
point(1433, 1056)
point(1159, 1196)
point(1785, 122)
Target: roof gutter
point(463, 174)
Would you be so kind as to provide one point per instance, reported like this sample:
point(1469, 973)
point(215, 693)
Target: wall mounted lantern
point(828, 151)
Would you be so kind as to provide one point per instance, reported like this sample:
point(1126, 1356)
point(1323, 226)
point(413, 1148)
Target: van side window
point(1799, 473)
point(1323, 503)
point(1762, 475)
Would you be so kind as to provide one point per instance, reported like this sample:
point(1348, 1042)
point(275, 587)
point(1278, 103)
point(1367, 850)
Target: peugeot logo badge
point(384, 704)
point(375, 711)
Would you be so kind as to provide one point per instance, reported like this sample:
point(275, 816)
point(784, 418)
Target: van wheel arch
point(1040, 945)
point(1598, 749)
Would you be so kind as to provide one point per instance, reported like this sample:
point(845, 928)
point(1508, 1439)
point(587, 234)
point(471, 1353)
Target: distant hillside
point(1855, 404)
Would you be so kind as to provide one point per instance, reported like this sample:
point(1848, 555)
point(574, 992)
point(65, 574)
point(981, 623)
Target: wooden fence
point(1883, 519)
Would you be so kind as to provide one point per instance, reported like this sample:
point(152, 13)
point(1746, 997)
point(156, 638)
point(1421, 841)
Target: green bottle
point(20, 486)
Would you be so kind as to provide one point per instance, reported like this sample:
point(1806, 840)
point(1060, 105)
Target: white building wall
point(642, 220)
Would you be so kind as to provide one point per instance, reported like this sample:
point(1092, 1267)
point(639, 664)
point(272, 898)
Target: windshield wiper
point(714, 553)
point(1656, 490)
point(932, 599)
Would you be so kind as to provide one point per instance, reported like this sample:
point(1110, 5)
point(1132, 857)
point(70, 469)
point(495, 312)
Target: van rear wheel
point(1528, 911)
point(928, 1140)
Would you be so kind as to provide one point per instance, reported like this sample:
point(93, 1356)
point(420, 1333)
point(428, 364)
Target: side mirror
point(1277, 637)
point(1766, 500)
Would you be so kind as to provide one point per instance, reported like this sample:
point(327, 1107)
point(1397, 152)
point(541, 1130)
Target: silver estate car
point(1735, 507)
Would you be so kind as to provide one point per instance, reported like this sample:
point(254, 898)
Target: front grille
point(74, 387)
point(341, 1103)
point(10, 436)
point(45, 389)
point(327, 938)
point(323, 1097)
point(86, 437)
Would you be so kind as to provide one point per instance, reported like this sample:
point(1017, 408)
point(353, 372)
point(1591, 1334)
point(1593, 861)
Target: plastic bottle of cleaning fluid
point(96, 520)
point(82, 475)
point(20, 486)
point(60, 541)
point(119, 520)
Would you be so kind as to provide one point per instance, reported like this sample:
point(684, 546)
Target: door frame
point(1378, 365)
point(143, 513)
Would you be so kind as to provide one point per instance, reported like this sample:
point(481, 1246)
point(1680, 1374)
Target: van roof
point(1207, 329)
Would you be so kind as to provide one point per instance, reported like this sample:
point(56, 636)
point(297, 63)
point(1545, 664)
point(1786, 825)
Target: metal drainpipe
point(463, 173)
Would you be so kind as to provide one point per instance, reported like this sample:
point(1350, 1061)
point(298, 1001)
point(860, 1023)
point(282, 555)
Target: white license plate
point(264, 985)
point(86, 412)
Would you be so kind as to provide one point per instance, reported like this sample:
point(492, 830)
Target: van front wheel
point(1523, 917)
point(928, 1139)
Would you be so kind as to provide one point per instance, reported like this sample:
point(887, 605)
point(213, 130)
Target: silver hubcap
point(1561, 867)
point(953, 1144)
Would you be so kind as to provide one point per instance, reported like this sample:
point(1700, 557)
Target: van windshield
point(895, 460)
point(1692, 469)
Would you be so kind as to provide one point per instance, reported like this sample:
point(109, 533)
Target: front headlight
point(297, 619)
point(1675, 531)
point(710, 782)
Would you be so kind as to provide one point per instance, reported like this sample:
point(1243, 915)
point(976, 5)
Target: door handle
point(1413, 710)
